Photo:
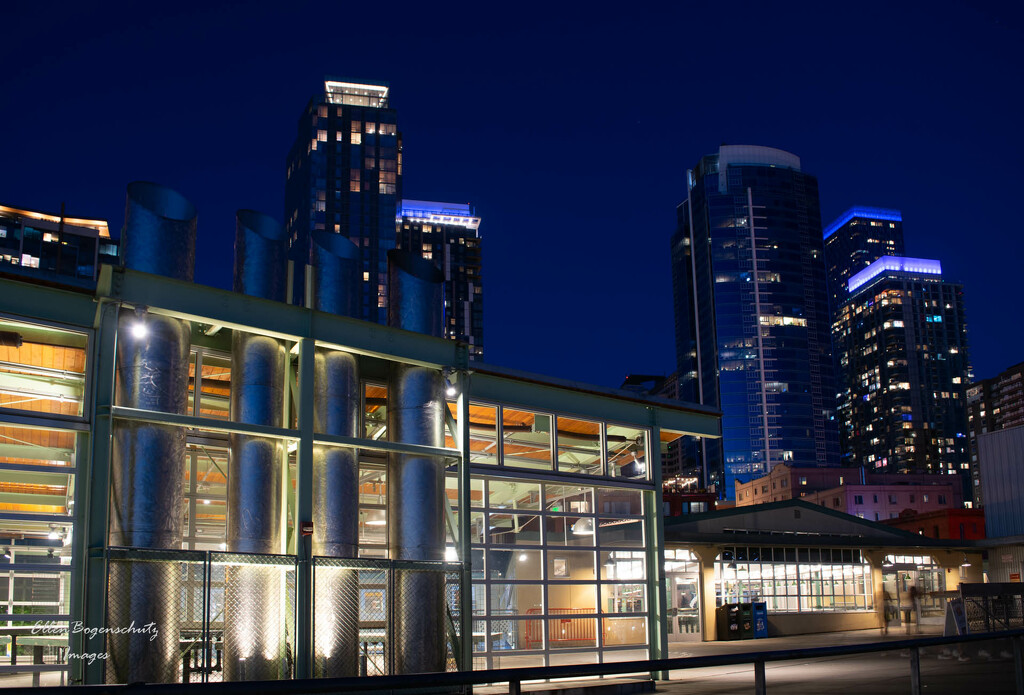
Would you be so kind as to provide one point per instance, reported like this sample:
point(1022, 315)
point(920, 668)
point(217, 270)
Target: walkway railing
point(516, 676)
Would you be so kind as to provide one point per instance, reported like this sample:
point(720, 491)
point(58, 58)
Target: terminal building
point(286, 491)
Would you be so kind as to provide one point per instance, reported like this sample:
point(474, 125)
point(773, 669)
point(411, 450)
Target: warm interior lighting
point(523, 557)
point(966, 562)
point(583, 527)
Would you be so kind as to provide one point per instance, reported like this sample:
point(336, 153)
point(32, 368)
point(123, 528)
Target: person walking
point(915, 607)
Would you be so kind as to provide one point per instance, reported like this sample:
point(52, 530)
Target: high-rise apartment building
point(993, 404)
point(344, 175)
point(855, 240)
point(901, 340)
point(53, 248)
point(751, 307)
point(448, 234)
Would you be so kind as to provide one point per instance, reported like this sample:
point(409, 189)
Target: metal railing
point(516, 676)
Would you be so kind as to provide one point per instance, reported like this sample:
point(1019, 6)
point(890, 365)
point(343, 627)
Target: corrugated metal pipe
point(336, 469)
point(416, 407)
point(254, 640)
point(148, 460)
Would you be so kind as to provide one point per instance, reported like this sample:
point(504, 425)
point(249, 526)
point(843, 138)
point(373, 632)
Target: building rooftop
point(98, 226)
point(923, 266)
point(374, 94)
point(866, 213)
point(459, 214)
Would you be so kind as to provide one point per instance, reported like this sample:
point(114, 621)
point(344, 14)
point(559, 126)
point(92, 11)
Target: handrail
point(514, 676)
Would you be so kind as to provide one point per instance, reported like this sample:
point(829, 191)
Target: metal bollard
point(760, 686)
point(1018, 663)
point(915, 671)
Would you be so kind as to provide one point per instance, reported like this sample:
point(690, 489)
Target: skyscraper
point(755, 343)
point(448, 234)
point(901, 340)
point(856, 239)
point(344, 175)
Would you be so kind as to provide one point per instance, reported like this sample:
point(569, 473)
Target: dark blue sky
point(569, 130)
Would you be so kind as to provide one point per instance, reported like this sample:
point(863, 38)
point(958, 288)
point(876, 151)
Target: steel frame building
point(571, 439)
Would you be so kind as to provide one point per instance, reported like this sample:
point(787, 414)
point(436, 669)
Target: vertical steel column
point(416, 407)
point(148, 459)
point(253, 615)
point(336, 469)
point(90, 538)
point(655, 533)
point(304, 512)
point(465, 527)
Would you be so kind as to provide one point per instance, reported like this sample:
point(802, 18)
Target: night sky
point(570, 131)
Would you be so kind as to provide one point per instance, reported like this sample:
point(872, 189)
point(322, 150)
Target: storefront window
point(804, 580)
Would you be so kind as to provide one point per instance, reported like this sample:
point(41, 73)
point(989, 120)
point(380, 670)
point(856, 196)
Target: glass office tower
point(755, 344)
point(448, 235)
point(344, 175)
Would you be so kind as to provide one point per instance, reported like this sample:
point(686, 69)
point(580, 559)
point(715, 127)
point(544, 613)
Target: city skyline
point(527, 137)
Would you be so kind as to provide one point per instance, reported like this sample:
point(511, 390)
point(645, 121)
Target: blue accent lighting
point(894, 263)
point(866, 212)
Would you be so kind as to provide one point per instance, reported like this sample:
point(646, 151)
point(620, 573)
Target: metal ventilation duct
point(148, 460)
point(335, 262)
point(416, 483)
point(336, 469)
point(256, 466)
point(159, 232)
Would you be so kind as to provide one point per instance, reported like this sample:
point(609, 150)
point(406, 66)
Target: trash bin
point(727, 619)
point(760, 619)
point(746, 621)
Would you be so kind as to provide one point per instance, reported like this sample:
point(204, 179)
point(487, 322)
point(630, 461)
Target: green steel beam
point(464, 537)
point(233, 310)
point(530, 391)
point(39, 386)
point(90, 537)
point(304, 513)
point(47, 303)
point(655, 534)
point(39, 453)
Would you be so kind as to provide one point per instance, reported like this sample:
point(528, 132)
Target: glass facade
point(559, 573)
point(752, 312)
point(795, 580)
point(43, 431)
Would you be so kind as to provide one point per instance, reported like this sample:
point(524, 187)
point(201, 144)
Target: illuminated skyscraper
point(856, 239)
point(901, 343)
point(755, 344)
point(448, 234)
point(344, 175)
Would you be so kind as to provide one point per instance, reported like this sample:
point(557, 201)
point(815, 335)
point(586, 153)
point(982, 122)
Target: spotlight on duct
point(139, 328)
point(7, 553)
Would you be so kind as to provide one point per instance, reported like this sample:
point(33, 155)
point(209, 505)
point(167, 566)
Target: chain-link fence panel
point(336, 619)
point(992, 613)
point(419, 618)
point(453, 621)
point(153, 628)
point(255, 630)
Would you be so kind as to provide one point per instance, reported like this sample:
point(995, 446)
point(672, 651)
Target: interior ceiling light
point(583, 527)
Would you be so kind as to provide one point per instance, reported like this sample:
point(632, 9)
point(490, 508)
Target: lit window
point(321, 135)
point(357, 138)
